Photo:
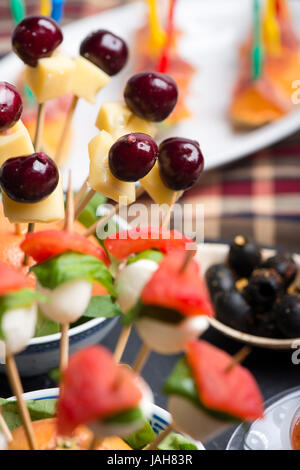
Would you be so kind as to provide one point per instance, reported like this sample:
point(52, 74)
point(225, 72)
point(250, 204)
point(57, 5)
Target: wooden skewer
point(122, 342)
point(81, 192)
point(189, 256)
point(37, 143)
point(30, 229)
point(68, 225)
point(167, 217)
point(18, 229)
point(103, 221)
point(64, 348)
point(69, 117)
point(16, 386)
point(160, 437)
point(84, 202)
point(239, 357)
point(141, 358)
point(5, 429)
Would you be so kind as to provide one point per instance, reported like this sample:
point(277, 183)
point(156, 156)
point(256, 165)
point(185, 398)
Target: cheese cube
point(15, 142)
point(51, 78)
point(100, 177)
point(88, 79)
point(155, 187)
point(117, 119)
point(50, 209)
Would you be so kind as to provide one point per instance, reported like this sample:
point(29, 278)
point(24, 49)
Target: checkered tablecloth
point(258, 196)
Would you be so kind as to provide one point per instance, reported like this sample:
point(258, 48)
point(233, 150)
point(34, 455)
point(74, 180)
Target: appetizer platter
point(208, 36)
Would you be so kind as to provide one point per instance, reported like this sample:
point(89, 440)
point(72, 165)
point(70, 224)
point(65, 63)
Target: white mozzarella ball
point(170, 338)
point(192, 420)
point(132, 280)
point(18, 326)
point(67, 302)
point(105, 429)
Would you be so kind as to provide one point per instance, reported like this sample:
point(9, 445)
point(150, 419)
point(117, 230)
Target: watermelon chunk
point(48, 243)
point(11, 280)
point(94, 387)
point(125, 243)
point(185, 292)
point(234, 392)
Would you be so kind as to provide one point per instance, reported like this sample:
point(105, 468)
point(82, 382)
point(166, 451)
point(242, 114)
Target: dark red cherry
point(132, 156)
point(106, 50)
point(29, 178)
point(180, 163)
point(151, 95)
point(11, 106)
point(36, 37)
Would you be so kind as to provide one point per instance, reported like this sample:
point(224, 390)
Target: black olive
point(233, 310)
point(288, 315)
point(219, 278)
point(285, 265)
point(265, 325)
point(244, 256)
point(263, 288)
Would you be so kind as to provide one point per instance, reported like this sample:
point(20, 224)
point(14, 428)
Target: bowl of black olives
point(255, 292)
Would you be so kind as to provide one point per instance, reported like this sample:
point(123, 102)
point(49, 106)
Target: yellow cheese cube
point(117, 119)
point(157, 190)
point(51, 78)
point(88, 79)
point(15, 142)
point(50, 209)
point(100, 177)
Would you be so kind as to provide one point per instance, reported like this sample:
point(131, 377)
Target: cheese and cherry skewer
point(143, 249)
point(207, 393)
point(18, 313)
point(102, 55)
point(34, 40)
point(116, 401)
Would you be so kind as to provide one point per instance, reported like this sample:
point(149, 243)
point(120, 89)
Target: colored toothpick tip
point(257, 50)
point(57, 12)
point(45, 7)
point(18, 10)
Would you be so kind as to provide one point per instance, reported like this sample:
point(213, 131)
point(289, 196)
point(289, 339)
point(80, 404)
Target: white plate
point(213, 30)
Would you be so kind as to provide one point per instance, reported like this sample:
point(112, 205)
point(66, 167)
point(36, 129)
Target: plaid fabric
point(258, 196)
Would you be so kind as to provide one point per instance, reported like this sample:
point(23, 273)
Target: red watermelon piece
point(94, 386)
point(185, 292)
point(11, 280)
point(128, 242)
point(235, 392)
point(46, 244)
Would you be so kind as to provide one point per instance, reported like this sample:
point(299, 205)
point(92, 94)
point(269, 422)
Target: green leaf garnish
point(23, 298)
point(38, 409)
point(125, 417)
point(176, 441)
point(88, 216)
point(142, 437)
point(102, 306)
point(69, 266)
point(45, 326)
point(152, 255)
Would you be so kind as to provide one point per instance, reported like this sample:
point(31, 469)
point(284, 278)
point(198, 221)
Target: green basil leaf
point(38, 409)
point(88, 216)
point(176, 441)
point(131, 316)
point(152, 255)
point(142, 437)
point(102, 306)
point(181, 382)
point(69, 266)
point(125, 417)
point(45, 326)
point(23, 298)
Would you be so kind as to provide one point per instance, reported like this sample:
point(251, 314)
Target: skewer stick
point(39, 127)
point(68, 225)
point(18, 229)
point(167, 216)
point(239, 357)
point(122, 342)
point(64, 134)
point(141, 358)
point(84, 202)
point(160, 437)
point(81, 192)
point(16, 386)
point(103, 221)
point(5, 429)
point(64, 348)
point(189, 255)
point(30, 229)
